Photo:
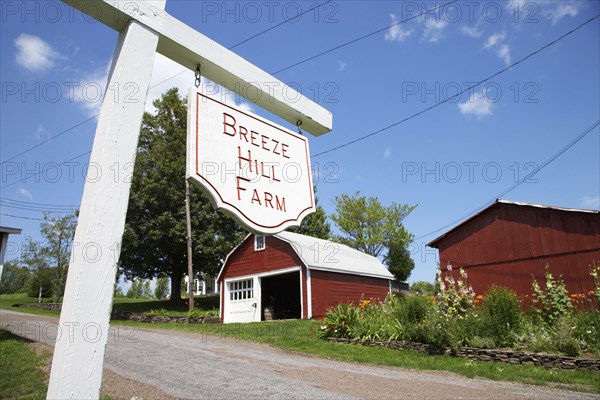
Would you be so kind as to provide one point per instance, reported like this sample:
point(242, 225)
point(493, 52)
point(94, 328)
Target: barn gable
point(508, 243)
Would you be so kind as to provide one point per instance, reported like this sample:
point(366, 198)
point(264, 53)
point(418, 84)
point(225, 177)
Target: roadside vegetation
point(21, 376)
point(456, 317)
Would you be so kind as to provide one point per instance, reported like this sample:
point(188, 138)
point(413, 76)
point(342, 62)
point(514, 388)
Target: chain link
point(198, 76)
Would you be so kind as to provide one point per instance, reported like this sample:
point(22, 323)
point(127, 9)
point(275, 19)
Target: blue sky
point(450, 160)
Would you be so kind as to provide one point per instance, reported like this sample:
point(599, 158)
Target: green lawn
point(298, 335)
point(21, 377)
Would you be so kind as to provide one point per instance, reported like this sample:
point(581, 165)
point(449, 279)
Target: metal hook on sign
point(299, 129)
point(198, 76)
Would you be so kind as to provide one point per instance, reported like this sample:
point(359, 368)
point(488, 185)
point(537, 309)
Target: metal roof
point(10, 231)
point(514, 203)
point(325, 255)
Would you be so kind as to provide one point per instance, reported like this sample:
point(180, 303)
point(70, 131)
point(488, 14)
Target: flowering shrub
point(552, 302)
point(595, 274)
point(337, 321)
point(456, 298)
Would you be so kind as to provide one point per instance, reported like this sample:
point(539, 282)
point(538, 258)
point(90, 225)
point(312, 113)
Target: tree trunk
point(176, 277)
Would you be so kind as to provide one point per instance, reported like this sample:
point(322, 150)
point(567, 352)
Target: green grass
point(203, 303)
point(21, 377)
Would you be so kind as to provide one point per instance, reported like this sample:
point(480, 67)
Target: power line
point(459, 93)
point(518, 183)
point(21, 217)
point(279, 24)
point(35, 204)
point(17, 206)
point(37, 174)
point(165, 80)
point(433, 10)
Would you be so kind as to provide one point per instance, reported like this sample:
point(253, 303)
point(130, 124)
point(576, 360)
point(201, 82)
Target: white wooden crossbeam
point(188, 47)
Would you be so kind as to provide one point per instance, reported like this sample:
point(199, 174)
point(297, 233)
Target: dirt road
point(160, 364)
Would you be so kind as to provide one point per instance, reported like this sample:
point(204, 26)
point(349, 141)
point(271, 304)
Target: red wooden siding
point(508, 244)
point(245, 261)
point(330, 288)
point(276, 255)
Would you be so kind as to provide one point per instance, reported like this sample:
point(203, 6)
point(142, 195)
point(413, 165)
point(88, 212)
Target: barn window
point(259, 242)
point(241, 290)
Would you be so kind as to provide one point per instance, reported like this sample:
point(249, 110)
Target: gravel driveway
point(223, 368)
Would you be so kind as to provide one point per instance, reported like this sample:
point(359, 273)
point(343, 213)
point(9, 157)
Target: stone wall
point(162, 319)
point(42, 306)
point(506, 356)
point(131, 316)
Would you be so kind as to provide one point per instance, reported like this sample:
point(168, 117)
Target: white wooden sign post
point(145, 28)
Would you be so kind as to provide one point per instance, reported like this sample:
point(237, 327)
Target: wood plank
point(84, 321)
point(188, 47)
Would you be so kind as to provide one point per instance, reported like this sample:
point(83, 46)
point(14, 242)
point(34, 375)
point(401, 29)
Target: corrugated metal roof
point(325, 255)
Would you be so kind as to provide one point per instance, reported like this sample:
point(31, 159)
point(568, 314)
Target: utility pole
point(188, 221)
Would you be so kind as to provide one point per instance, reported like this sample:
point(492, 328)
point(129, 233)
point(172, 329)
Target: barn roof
point(434, 242)
point(334, 257)
point(12, 231)
point(331, 256)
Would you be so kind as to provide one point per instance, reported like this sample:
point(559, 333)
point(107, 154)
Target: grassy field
point(298, 336)
point(21, 377)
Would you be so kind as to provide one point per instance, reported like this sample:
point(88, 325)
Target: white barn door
point(241, 300)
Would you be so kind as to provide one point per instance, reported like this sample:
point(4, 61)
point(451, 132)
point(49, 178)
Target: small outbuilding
point(289, 275)
point(5, 231)
point(509, 243)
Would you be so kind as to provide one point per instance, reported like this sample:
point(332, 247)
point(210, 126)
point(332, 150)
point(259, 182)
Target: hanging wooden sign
point(254, 170)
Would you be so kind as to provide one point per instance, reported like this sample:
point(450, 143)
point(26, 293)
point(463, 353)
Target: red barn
point(298, 276)
point(507, 243)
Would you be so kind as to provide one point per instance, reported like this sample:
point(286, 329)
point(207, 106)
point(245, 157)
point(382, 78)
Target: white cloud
point(474, 32)
point(477, 105)
point(592, 202)
point(433, 32)
point(90, 92)
point(342, 65)
point(26, 193)
point(503, 53)
point(387, 153)
point(35, 54)
point(397, 33)
point(41, 132)
point(494, 39)
point(561, 9)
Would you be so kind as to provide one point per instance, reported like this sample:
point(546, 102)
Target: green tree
point(423, 287)
point(154, 241)
point(14, 278)
point(50, 257)
point(162, 286)
point(136, 288)
point(315, 224)
point(58, 233)
point(377, 230)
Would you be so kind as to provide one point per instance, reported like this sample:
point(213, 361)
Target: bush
point(501, 315)
point(375, 321)
point(482, 342)
point(552, 302)
point(413, 309)
point(337, 321)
